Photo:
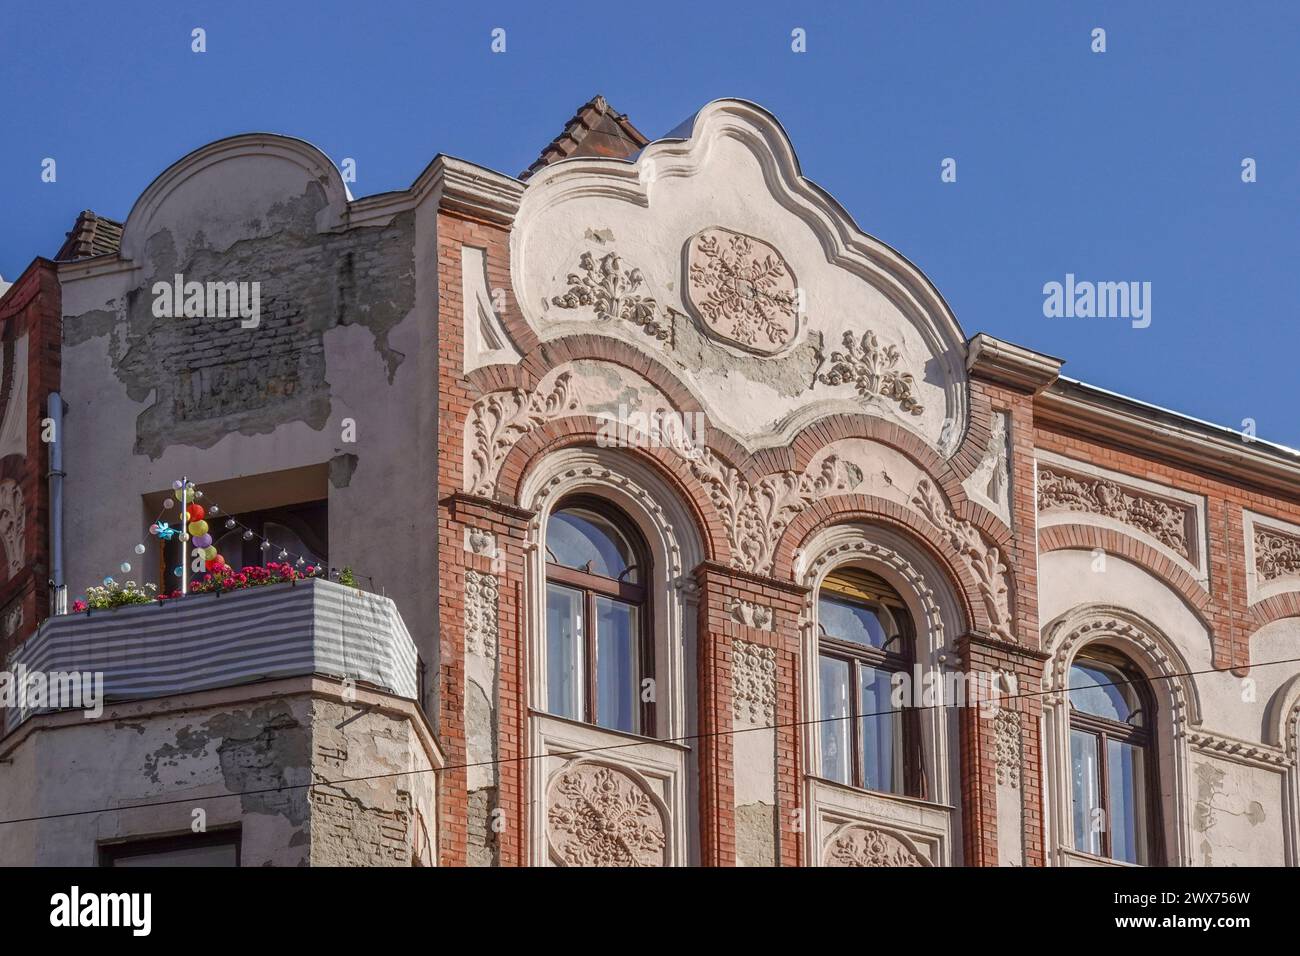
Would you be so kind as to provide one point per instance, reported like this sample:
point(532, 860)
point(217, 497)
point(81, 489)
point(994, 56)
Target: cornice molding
point(458, 186)
point(1235, 750)
point(1208, 449)
point(1013, 365)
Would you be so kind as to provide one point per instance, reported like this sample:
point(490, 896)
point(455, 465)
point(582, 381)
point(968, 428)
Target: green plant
point(347, 577)
point(111, 594)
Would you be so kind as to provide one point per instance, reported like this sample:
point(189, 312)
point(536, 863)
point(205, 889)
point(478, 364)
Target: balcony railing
point(221, 640)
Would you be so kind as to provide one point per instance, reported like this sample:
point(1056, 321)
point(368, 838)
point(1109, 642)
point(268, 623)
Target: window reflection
point(1110, 748)
point(597, 647)
point(864, 640)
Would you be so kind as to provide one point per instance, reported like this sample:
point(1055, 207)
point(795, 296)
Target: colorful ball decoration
point(203, 540)
point(195, 512)
point(139, 548)
point(198, 528)
point(210, 552)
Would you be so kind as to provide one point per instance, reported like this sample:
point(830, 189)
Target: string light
point(165, 532)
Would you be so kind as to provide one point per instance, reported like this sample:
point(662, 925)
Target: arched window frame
point(669, 528)
point(593, 587)
point(899, 658)
point(932, 823)
point(1177, 704)
point(1144, 736)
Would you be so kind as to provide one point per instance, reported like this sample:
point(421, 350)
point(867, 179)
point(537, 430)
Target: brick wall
point(456, 512)
point(30, 307)
point(1223, 606)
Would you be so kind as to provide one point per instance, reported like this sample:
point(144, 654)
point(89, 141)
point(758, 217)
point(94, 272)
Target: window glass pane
point(231, 547)
point(1089, 694)
point(850, 621)
point(1127, 784)
point(882, 734)
point(835, 691)
point(564, 651)
point(1085, 790)
point(618, 666)
point(282, 539)
point(587, 542)
point(216, 854)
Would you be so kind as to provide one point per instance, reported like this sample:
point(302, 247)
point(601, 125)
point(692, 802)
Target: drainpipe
point(58, 587)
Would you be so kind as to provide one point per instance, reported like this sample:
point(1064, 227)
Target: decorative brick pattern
point(749, 610)
point(31, 308)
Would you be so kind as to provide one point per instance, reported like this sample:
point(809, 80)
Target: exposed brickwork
point(31, 307)
point(1224, 607)
point(979, 752)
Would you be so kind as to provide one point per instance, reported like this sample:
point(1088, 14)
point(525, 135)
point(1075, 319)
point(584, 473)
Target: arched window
point(1111, 758)
point(865, 636)
point(598, 652)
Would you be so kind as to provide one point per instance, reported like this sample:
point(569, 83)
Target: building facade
point(715, 538)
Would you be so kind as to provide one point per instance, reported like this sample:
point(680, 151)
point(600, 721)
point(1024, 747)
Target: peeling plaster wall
point(346, 332)
point(1236, 815)
point(199, 754)
point(137, 755)
point(376, 822)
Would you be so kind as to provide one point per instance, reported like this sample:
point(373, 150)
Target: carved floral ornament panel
point(601, 815)
point(1162, 520)
point(862, 845)
point(1277, 554)
point(744, 294)
point(12, 518)
point(755, 513)
point(743, 290)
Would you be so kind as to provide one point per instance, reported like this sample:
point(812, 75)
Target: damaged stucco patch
point(792, 374)
point(756, 835)
point(257, 751)
point(208, 377)
point(341, 469)
point(481, 837)
point(1219, 811)
point(366, 790)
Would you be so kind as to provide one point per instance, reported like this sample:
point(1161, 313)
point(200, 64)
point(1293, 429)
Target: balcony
point(208, 641)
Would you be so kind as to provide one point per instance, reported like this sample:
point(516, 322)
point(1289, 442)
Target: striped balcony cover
point(207, 641)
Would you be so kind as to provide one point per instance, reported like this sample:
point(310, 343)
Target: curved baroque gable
point(714, 254)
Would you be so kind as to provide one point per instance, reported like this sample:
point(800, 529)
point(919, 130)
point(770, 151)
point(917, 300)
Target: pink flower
point(78, 607)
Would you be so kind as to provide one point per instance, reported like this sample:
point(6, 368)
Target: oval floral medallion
point(743, 290)
point(602, 816)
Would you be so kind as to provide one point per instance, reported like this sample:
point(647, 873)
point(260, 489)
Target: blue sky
point(1120, 166)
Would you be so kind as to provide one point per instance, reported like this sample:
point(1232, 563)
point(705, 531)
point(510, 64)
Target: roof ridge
point(595, 129)
point(91, 235)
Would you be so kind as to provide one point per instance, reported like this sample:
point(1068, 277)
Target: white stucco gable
point(713, 252)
